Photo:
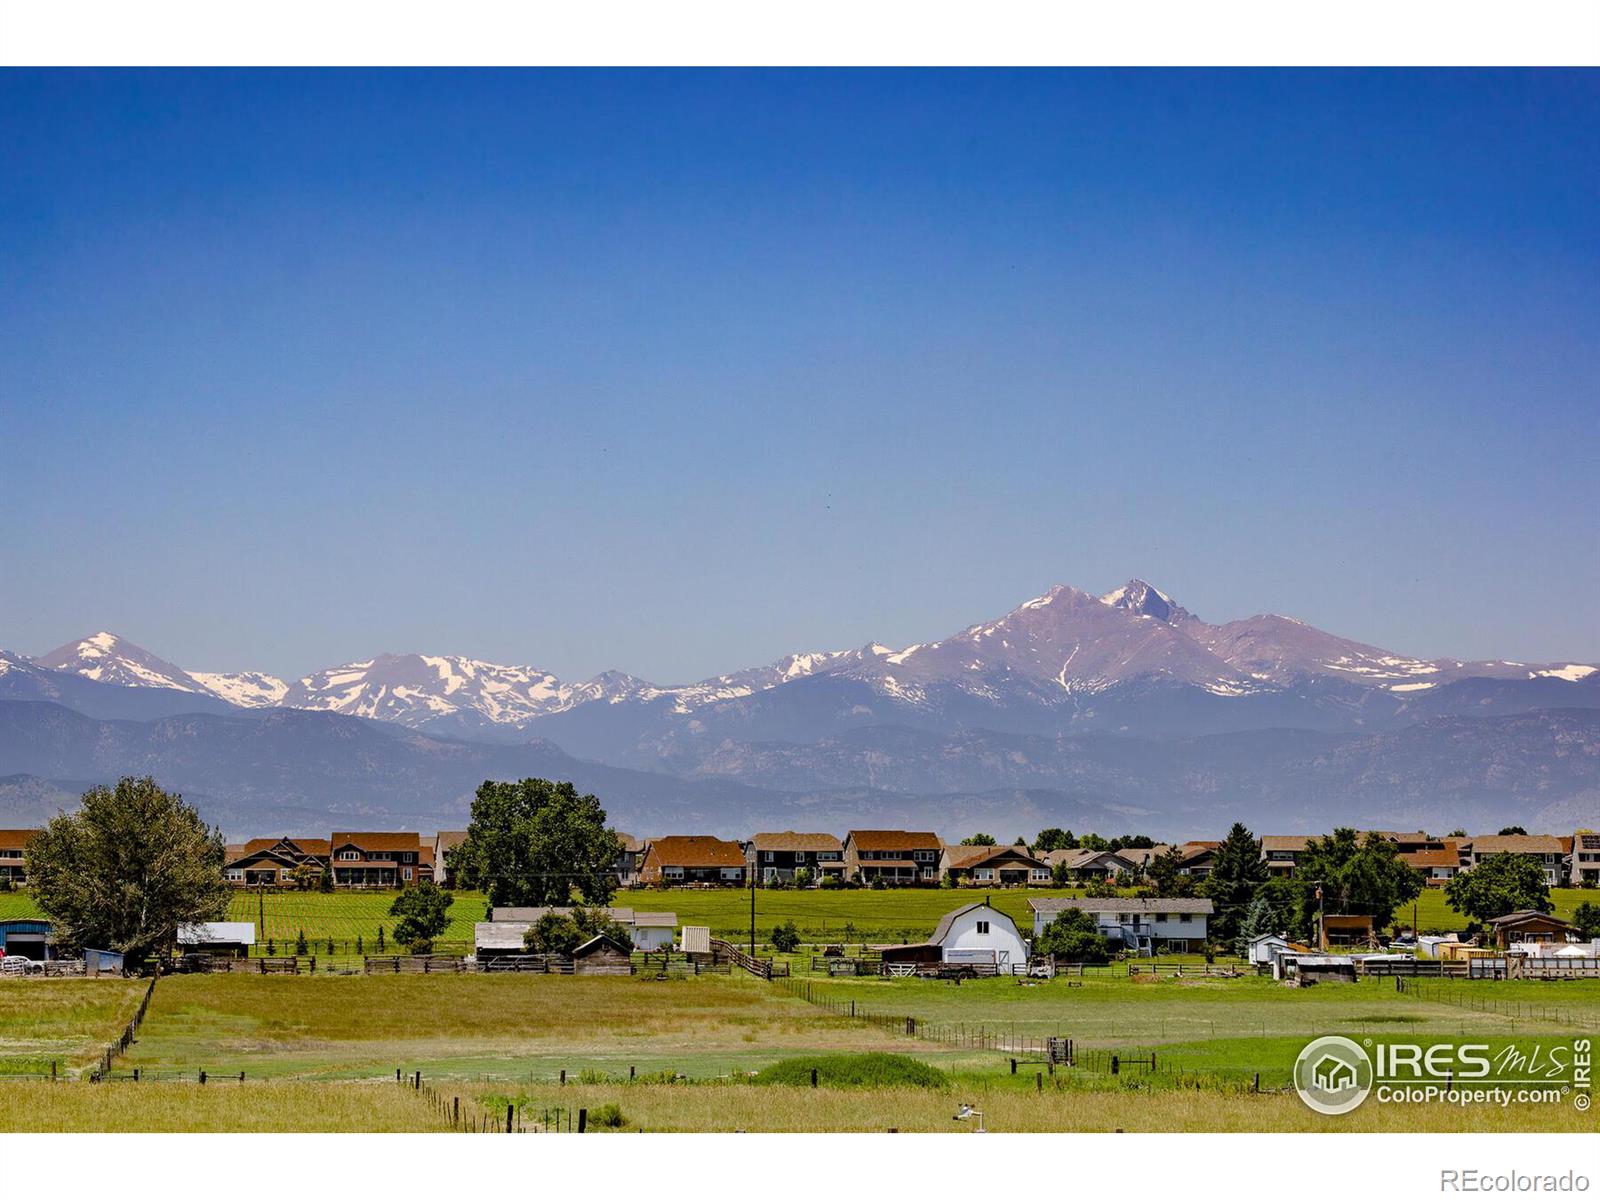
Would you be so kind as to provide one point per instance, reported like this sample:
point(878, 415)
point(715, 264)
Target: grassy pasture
point(67, 1021)
point(894, 914)
point(282, 1106)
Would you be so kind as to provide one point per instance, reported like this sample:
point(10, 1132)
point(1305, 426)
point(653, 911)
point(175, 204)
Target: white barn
point(977, 934)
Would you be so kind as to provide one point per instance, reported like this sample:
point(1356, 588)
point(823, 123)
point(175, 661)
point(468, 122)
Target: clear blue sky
point(678, 372)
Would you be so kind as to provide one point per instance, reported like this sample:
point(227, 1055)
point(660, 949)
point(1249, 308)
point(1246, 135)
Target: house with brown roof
point(1438, 867)
point(1281, 852)
point(271, 862)
point(1095, 864)
point(895, 856)
point(1542, 848)
point(382, 860)
point(994, 866)
point(1527, 925)
point(777, 856)
point(13, 847)
point(694, 858)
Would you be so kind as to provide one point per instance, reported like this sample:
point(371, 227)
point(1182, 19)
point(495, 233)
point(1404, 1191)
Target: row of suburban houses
point(896, 857)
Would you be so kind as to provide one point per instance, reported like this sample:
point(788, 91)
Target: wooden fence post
point(563, 1077)
point(1038, 1081)
point(455, 1112)
point(583, 1119)
point(509, 1110)
point(202, 1076)
point(1114, 1064)
point(813, 1077)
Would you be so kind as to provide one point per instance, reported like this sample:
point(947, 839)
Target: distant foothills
point(1121, 710)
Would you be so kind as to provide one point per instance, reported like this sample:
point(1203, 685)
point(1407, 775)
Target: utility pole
point(1322, 933)
point(261, 912)
point(752, 912)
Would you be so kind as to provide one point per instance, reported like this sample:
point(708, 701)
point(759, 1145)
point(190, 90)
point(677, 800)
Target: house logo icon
point(1333, 1075)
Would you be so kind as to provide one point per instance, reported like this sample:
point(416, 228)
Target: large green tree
point(424, 913)
point(1362, 877)
point(1497, 885)
point(1165, 875)
point(1054, 838)
point(125, 870)
point(1236, 873)
point(564, 932)
point(536, 842)
point(978, 839)
point(1073, 937)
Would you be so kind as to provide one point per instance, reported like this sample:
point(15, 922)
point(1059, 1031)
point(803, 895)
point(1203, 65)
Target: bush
point(607, 1116)
point(854, 1070)
point(786, 938)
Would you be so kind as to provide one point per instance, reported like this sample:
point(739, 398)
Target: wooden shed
point(603, 955)
point(1530, 926)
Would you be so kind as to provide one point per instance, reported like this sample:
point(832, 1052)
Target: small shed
point(1324, 968)
point(602, 955)
point(696, 939)
point(497, 939)
point(102, 962)
point(1347, 929)
point(1265, 947)
point(653, 930)
point(224, 939)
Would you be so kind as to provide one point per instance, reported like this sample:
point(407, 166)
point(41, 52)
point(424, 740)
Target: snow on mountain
point(107, 658)
point(415, 689)
point(247, 689)
point(1141, 599)
point(1065, 641)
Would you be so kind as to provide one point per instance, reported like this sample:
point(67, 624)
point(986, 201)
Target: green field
point(63, 1021)
point(858, 915)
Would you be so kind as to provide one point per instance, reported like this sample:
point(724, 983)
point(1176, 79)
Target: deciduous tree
point(1497, 885)
point(424, 912)
point(536, 842)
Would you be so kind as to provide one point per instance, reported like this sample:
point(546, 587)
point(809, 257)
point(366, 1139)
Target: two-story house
point(271, 862)
point(444, 842)
point(693, 858)
point(1281, 852)
point(379, 859)
point(1544, 849)
point(13, 847)
point(629, 859)
point(1585, 858)
point(895, 856)
point(1137, 926)
point(777, 856)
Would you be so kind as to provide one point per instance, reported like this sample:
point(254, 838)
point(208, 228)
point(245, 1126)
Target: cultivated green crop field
point(891, 915)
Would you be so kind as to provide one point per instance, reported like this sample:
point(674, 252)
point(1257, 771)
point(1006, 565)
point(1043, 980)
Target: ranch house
point(895, 856)
point(693, 858)
point(13, 845)
point(269, 861)
point(777, 856)
point(1139, 926)
point(1003, 866)
point(1093, 864)
point(380, 860)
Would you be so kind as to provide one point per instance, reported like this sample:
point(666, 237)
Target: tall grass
point(275, 1107)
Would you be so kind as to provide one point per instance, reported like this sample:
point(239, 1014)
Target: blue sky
point(678, 372)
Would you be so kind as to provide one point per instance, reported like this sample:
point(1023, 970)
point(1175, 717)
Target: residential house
point(445, 841)
point(1406, 842)
point(13, 846)
point(976, 934)
point(1530, 926)
point(1198, 858)
point(993, 866)
point(695, 858)
point(777, 856)
point(1095, 864)
point(1585, 858)
point(895, 856)
point(1541, 848)
point(1438, 867)
point(1140, 926)
point(1282, 852)
point(649, 930)
point(629, 859)
point(383, 860)
point(270, 862)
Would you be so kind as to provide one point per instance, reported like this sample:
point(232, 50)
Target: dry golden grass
point(268, 1107)
point(726, 1108)
point(67, 1021)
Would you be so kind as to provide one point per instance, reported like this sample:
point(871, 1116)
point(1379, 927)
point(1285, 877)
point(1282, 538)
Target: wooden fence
point(414, 964)
point(127, 1038)
point(761, 968)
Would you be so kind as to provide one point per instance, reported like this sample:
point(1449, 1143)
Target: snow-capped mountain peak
point(1145, 600)
point(107, 658)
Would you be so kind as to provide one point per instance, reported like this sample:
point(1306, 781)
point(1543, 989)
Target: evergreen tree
point(1165, 877)
point(1236, 874)
point(1257, 921)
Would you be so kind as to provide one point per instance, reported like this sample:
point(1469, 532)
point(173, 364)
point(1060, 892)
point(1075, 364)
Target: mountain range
point(1072, 706)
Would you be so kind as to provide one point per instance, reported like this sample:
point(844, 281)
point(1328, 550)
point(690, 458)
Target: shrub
point(854, 1070)
point(300, 943)
point(786, 938)
point(607, 1116)
point(831, 883)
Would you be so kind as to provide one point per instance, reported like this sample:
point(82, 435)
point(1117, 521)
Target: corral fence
point(761, 968)
point(127, 1038)
point(1462, 995)
point(414, 964)
point(477, 1116)
point(1182, 970)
